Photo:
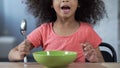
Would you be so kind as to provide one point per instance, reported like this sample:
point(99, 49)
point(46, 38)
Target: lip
point(65, 8)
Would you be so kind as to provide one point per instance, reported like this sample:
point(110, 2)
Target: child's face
point(65, 8)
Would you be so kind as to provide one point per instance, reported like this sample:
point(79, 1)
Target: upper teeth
point(65, 7)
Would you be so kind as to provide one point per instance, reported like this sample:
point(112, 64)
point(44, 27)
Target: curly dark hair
point(90, 11)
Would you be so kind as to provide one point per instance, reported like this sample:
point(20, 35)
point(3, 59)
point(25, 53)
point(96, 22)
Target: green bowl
point(54, 58)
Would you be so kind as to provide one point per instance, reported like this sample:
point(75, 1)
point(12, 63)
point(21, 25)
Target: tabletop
point(72, 65)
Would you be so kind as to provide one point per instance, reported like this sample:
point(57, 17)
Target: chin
point(65, 16)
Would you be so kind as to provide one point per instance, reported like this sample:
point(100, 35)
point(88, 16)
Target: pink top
point(44, 36)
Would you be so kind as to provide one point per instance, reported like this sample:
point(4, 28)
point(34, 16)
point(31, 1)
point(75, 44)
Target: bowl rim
point(47, 52)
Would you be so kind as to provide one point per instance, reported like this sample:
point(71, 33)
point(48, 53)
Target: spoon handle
point(25, 59)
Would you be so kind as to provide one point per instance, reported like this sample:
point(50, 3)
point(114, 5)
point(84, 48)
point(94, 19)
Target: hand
point(89, 52)
point(18, 53)
point(23, 50)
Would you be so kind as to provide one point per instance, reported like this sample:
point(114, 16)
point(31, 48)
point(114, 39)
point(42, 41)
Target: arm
point(19, 52)
point(91, 54)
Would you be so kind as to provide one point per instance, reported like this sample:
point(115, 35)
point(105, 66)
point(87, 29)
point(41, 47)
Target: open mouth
point(65, 9)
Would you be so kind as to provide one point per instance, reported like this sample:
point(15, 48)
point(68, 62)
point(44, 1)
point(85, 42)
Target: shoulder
point(45, 26)
point(86, 25)
point(87, 28)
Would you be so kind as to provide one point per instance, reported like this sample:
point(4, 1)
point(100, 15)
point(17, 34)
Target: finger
point(83, 45)
point(22, 55)
point(18, 56)
point(93, 58)
point(23, 48)
point(87, 47)
point(89, 53)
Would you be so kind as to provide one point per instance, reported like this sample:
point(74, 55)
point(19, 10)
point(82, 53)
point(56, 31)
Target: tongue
point(66, 10)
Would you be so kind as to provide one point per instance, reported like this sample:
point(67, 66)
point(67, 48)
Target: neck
point(65, 26)
point(66, 21)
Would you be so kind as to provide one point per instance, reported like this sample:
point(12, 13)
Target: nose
point(65, 0)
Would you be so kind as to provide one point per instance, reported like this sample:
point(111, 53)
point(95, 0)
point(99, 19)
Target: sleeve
point(93, 38)
point(35, 37)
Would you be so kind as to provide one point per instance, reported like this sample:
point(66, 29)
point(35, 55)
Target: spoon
point(23, 29)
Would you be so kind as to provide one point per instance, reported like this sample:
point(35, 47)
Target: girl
point(66, 25)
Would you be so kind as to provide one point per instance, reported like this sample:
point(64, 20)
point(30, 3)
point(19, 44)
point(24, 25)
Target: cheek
point(55, 2)
point(56, 8)
point(75, 2)
point(75, 5)
point(56, 5)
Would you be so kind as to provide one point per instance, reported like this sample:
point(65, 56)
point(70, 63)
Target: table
point(72, 65)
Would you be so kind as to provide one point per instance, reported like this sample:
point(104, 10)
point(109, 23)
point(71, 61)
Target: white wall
point(108, 28)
